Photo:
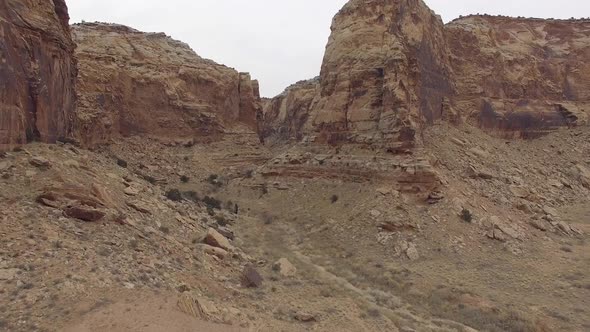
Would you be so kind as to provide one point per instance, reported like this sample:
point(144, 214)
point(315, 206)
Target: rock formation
point(521, 77)
point(286, 114)
point(392, 67)
point(37, 72)
point(132, 82)
point(385, 73)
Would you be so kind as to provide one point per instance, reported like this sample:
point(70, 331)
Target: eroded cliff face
point(37, 72)
point(521, 77)
point(391, 67)
point(384, 74)
point(132, 82)
point(286, 115)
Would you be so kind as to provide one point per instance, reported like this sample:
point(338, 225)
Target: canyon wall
point(37, 72)
point(521, 77)
point(391, 67)
point(131, 82)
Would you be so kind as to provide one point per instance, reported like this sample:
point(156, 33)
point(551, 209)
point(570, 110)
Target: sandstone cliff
point(386, 73)
point(132, 82)
point(286, 114)
point(391, 67)
point(37, 72)
point(521, 77)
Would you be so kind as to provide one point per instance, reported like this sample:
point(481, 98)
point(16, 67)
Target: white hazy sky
point(278, 41)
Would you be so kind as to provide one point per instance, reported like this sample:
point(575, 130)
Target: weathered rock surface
point(392, 67)
point(286, 115)
point(385, 72)
point(132, 82)
point(521, 77)
point(37, 72)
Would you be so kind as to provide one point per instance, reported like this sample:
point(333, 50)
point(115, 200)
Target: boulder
point(215, 239)
point(214, 251)
point(84, 213)
point(284, 268)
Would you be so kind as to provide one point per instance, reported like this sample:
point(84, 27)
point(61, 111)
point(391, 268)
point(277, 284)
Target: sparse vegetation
point(190, 196)
point(212, 203)
point(122, 163)
point(174, 195)
point(466, 215)
point(184, 179)
point(334, 199)
point(215, 180)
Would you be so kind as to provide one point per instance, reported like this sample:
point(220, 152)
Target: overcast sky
point(278, 41)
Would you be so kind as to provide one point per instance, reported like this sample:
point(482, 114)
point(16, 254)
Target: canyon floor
point(503, 247)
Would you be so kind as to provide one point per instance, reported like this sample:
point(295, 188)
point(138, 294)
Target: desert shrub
point(212, 202)
point(466, 215)
point(215, 180)
point(184, 179)
point(249, 174)
point(190, 196)
point(122, 163)
point(334, 199)
point(264, 189)
point(174, 195)
point(267, 218)
point(221, 220)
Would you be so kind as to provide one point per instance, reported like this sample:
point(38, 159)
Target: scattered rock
point(284, 268)
point(84, 213)
point(8, 274)
point(214, 251)
point(412, 252)
point(538, 225)
point(140, 206)
point(550, 211)
point(132, 191)
point(375, 213)
point(305, 317)
point(458, 142)
point(520, 192)
point(198, 308)
point(435, 197)
point(251, 278)
point(4, 165)
point(215, 239)
point(40, 162)
point(479, 152)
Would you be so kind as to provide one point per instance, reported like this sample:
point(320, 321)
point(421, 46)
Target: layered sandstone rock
point(385, 73)
point(391, 67)
point(132, 82)
point(521, 77)
point(286, 115)
point(37, 72)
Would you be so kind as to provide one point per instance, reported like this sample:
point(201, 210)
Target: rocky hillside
point(37, 72)
point(132, 82)
point(521, 77)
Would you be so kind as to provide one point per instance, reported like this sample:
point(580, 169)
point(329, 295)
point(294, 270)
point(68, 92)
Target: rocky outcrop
point(132, 82)
point(37, 72)
point(521, 77)
point(392, 67)
point(386, 73)
point(286, 115)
